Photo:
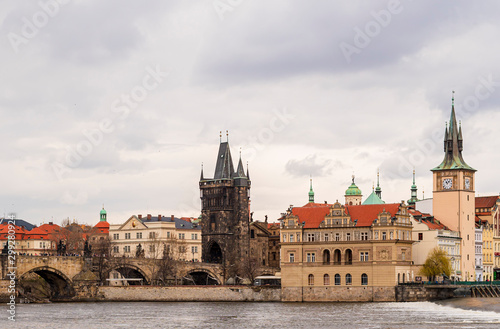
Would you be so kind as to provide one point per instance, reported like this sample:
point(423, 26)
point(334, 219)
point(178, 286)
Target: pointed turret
point(311, 192)
point(248, 172)
point(224, 168)
point(240, 172)
point(103, 214)
point(453, 146)
point(378, 190)
point(201, 176)
point(413, 198)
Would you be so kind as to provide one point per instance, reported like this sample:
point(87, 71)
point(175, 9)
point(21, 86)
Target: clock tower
point(453, 197)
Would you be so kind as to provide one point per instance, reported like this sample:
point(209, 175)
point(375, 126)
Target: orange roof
point(486, 201)
point(273, 225)
point(102, 227)
point(366, 214)
point(20, 232)
point(434, 225)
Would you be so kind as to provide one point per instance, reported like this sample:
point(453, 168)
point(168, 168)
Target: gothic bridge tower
point(454, 198)
point(225, 203)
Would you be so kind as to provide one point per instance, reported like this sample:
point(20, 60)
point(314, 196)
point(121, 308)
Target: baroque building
point(225, 215)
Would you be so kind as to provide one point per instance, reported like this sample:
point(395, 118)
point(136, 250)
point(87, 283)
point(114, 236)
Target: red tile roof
point(314, 213)
point(366, 214)
point(486, 201)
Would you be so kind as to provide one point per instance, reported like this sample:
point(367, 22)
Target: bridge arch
point(201, 277)
point(61, 286)
point(130, 271)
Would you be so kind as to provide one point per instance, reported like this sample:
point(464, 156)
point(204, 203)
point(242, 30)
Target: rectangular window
point(291, 257)
point(291, 237)
point(384, 236)
point(116, 236)
point(127, 236)
point(168, 235)
point(182, 236)
point(337, 236)
point(311, 237)
point(126, 249)
point(420, 236)
point(364, 235)
point(194, 249)
point(151, 248)
point(348, 236)
point(326, 236)
point(152, 235)
point(298, 237)
point(363, 256)
point(116, 249)
point(194, 236)
point(139, 235)
point(311, 257)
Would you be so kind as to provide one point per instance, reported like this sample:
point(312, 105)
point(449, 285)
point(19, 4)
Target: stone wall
point(190, 294)
point(422, 293)
point(338, 294)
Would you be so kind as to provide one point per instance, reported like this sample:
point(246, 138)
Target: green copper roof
point(353, 189)
point(373, 199)
point(453, 145)
point(103, 212)
point(311, 192)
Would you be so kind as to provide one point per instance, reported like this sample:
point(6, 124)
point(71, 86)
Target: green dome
point(103, 212)
point(353, 190)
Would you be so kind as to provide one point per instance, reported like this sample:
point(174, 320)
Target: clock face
point(467, 184)
point(447, 183)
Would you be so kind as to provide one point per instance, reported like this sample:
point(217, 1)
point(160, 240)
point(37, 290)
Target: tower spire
point(311, 192)
point(453, 144)
point(201, 176)
point(413, 198)
point(378, 189)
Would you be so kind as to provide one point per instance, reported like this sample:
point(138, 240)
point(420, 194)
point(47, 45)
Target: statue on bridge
point(139, 252)
point(87, 250)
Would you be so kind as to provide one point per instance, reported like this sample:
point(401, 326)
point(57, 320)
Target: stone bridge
point(71, 277)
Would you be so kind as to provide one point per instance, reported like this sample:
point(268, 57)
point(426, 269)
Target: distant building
point(155, 237)
point(479, 253)
point(429, 233)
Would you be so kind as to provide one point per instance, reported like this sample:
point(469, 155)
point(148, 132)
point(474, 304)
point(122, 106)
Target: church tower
point(413, 190)
point(453, 195)
point(311, 192)
point(225, 203)
point(353, 195)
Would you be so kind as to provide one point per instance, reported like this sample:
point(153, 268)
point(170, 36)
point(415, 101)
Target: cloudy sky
point(120, 102)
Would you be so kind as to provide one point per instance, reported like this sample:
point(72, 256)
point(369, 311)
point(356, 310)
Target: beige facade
point(337, 247)
point(455, 208)
point(488, 255)
point(180, 239)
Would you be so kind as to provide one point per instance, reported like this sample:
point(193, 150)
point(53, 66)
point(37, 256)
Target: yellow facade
point(340, 254)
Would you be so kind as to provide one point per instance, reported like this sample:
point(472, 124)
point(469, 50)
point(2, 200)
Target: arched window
point(336, 257)
point(310, 280)
point(403, 278)
point(326, 257)
point(364, 279)
point(348, 257)
point(326, 280)
point(348, 279)
point(337, 279)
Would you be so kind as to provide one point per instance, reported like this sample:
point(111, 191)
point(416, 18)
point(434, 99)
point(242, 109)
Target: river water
point(455, 313)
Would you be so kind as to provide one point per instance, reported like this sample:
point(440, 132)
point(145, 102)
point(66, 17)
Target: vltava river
point(473, 313)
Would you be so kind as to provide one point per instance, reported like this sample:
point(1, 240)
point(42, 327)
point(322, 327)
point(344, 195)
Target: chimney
point(172, 217)
point(159, 217)
point(140, 216)
point(149, 216)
